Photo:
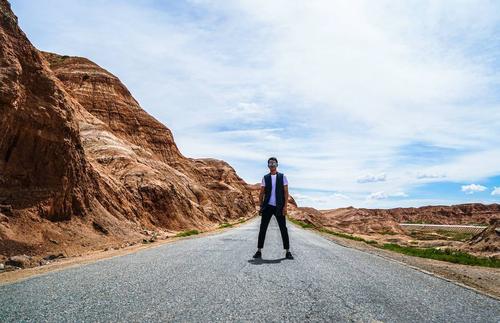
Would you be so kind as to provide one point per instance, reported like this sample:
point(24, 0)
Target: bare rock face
point(42, 161)
point(486, 241)
point(81, 163)
point(105, 97)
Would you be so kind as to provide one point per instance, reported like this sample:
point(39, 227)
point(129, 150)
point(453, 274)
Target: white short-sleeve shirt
point(272, 198)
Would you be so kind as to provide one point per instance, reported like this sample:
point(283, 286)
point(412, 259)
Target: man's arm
point(286, 198)
point(261, 195)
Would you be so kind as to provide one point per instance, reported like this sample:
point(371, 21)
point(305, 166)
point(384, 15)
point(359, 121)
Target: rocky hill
point(382, 225)
point(361, 220)
point(83, 166)
point(486, 241)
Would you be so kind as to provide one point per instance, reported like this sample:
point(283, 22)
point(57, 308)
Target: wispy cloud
point(472, 188)
point(378, 196)
point(383, 195)
point(372, 178)
point(248, 112)
point(429, 176)
point(308, 198)
point(496, 191)
point(340, 196)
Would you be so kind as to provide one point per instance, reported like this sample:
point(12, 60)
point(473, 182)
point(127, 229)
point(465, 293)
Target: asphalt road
point(215, 278)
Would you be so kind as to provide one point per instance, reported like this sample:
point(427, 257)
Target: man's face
point(272, 164)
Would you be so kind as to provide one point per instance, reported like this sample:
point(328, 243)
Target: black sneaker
point(258, 254)
point(288, 255)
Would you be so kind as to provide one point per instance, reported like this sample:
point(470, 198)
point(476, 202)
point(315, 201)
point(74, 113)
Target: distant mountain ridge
point(384, 223)
point(363, 220)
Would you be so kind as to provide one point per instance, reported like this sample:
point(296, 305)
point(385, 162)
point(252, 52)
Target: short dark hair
point(272, 158)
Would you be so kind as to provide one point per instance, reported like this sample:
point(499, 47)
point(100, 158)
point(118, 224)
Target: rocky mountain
point(367, 221)
point(382, 225)
point(82, 165)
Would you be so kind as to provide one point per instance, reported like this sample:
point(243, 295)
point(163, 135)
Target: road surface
point(215, 278)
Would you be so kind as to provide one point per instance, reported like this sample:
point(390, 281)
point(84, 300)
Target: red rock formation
point(82, 165)
point(131, 149)
point(486, 241)
point(368, 221)
point(42, 161)
point(106, 98)
point(382, 225)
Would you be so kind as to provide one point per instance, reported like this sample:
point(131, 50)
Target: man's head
point(272, 163)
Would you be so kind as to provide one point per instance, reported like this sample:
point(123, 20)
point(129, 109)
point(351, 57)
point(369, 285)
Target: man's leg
point(283, 229)
point(264, 222)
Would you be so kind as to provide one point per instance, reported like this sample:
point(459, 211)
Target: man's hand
point(285, 212)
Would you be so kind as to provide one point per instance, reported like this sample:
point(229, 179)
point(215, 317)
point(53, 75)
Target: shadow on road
point(265, 261)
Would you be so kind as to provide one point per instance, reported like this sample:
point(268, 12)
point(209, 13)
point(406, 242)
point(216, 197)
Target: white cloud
point(383, 195)
point(496, 191)
point(471, 188)
point(372, 178)
point(399, 194)
point(429, 176)
point(340, 196)
point(378, 196)
point(303, 198)
point(249, 112)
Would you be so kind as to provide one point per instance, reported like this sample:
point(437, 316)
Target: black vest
point(280, 190)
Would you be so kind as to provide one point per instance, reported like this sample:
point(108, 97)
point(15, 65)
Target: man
point(273, 199)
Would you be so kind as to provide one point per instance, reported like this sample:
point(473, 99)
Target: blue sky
point(370, 104)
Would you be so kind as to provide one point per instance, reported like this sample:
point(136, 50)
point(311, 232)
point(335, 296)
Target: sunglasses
point(271, 164)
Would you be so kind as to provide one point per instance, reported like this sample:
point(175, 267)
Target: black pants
point(267, 213)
